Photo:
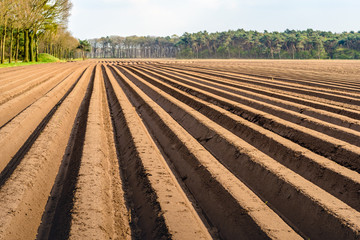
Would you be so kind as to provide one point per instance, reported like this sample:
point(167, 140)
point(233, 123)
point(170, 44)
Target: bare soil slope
point(150, 149)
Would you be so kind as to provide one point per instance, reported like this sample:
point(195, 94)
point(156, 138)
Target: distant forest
point(290, 44)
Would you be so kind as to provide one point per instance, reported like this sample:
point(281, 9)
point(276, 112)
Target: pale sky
point(97, 18)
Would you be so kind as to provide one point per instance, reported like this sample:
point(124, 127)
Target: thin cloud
point(95, 18)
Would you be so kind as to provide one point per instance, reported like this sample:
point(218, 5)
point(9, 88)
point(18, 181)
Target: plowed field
point(143, 149)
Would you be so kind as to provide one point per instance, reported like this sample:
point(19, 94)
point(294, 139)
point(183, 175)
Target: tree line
point(290, 44)
point(28, 27)
point(134, 47)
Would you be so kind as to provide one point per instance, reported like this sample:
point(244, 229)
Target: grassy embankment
point(43, 58)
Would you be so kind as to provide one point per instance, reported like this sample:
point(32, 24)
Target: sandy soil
point(180, 149)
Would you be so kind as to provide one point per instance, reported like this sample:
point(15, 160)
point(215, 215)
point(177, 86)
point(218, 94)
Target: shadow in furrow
point(16, 160)
point(147, 221)
point(56, 219)
point(35, 101)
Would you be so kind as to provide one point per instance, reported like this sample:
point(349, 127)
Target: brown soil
point(174, 149)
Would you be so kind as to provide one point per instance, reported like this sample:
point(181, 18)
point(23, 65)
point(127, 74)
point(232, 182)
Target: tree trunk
point(209, 50)
point(3, 45)
point(26, 45)
point(37, 50)
point(32, 46)
point(1, 41)
point(11, 45)
point(215, 51)
point(17, 45)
